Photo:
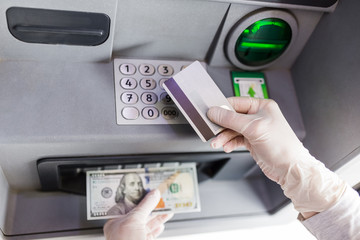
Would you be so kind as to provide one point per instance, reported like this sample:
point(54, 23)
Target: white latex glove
point(138, 224)
point(259, 125)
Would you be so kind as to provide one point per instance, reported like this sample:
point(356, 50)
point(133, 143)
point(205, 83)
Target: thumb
point(229, 119)
point(148, 204)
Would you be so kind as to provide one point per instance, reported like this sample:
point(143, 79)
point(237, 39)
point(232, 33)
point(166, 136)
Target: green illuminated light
point(262, 45)
point(257, 25)
point(263, 41)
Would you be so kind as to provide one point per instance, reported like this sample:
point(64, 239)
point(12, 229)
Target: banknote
point(111, 193)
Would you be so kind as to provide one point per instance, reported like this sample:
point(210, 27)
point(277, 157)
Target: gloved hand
point(259, 125)
point(138, 224)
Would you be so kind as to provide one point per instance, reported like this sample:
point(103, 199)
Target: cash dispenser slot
point(230, 174)
point(69, 174)
point(232, 178)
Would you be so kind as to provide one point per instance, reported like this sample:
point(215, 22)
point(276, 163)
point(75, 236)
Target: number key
point(148, 83)
point(161, 82)
point(128, 83)
point(166, 99)
point(127, 69)
point(146, 69)
point(149, 98)
point(150, 113)
point(129, 98)
point(165, 70)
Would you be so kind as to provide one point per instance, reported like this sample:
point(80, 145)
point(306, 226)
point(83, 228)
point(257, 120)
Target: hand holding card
point(194, 92)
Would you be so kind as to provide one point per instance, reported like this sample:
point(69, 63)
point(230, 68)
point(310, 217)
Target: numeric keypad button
point(183, 67)
point(166, 99)
point(169, 113)
point(165, 70)
point(129, 98)
point(148, 83)
point(150, 113)
point(161, 82)
point(127, 69)
point(130, 113)
point(146, 69)
point(149, 98)
point(128, 83)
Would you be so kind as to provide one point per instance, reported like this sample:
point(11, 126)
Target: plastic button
point(129, 98)
point(150, 113)
point(146, 69)
point(149, 98)
point(127, 69)
point(130, 113)
point(148, 83)
point(183, 67)
point(161, 82)
point(128, 83)
point(165, 70)
point(169, 113)
point(166, 99)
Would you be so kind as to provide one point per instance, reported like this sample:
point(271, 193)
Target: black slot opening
point(69, 174)
point(58, 27)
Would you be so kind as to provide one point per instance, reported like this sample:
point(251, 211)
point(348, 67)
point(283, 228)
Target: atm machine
point(62, 111)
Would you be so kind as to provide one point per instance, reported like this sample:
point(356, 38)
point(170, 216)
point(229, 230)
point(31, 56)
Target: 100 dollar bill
point(111, 193)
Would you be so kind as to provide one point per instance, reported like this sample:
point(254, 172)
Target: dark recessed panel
point(58, 27)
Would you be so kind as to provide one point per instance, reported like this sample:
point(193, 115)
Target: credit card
point(194, 92)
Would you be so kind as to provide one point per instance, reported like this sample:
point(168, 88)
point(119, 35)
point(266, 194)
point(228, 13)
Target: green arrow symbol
point(251, 92)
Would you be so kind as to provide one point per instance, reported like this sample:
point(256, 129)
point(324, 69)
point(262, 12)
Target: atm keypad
point(140, 96)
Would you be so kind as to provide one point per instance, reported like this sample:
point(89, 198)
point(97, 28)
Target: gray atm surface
point(58, 114)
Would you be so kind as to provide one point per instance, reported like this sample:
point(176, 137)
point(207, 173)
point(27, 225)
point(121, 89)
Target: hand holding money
point(138, 224)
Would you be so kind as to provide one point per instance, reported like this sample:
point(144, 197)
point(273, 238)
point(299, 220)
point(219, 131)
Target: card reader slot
point(58, 30)
point(47, 26)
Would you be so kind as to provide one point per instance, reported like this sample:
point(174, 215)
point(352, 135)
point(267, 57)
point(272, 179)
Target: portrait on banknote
point(128, 194)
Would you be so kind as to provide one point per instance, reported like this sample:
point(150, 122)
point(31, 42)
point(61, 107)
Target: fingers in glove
point(229, 119)
point(246, 105)
point(234, 144)
point(156, 232)
point(159, 220)
point(224, 137)
point(147, 205)
point(108, 228)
